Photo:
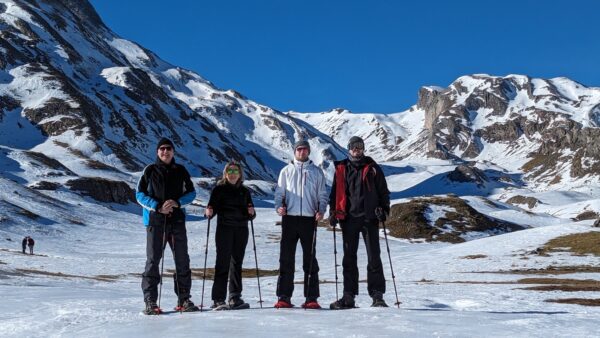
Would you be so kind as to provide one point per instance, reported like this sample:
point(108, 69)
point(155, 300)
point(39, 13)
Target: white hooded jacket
point(301, 187)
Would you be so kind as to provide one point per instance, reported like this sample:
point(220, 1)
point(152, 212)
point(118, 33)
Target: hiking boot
point(346, 302)
point(237, 303)
point(311, 303)
point(379, 303)
point(218, 303)
point(152, 308)
point(283, 303)
point(378, 299)
point(186, 305)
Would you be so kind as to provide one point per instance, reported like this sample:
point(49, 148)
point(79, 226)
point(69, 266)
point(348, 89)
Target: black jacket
point(231, 204)
point(159, 183)
point(364, 194)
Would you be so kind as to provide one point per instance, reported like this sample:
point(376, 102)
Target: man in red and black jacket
point(359, 188)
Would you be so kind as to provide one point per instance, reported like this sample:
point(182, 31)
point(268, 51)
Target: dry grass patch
point(587, 243)
point(561, 284)
point(101, 278)
point(408, 220)
point(474, 256)
point(210, 273)
point(578, 301)
point(550, 270)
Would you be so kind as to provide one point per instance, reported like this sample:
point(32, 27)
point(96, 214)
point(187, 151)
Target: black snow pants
point(351, 229)
point(231, 244)
point(176, 236)
point(292, 229)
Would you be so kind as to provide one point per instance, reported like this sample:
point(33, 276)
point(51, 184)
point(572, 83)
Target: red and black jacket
point(358, 189)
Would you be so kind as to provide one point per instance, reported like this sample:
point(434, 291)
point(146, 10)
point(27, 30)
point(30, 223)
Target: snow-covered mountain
point(72, 89)
point(546, 129)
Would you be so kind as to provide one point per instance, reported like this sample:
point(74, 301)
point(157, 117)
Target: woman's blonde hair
point(232, 163)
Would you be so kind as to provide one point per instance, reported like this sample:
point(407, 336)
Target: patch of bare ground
point(586, 243)
point(577, 301)
point(549, 270)
point(101, 278)
point(474, 256)
point(561, 284)
point(246, 273)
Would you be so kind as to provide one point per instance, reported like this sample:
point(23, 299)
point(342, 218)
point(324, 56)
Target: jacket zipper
point(301, 186)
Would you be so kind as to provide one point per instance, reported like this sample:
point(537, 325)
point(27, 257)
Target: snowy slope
point(99, 293)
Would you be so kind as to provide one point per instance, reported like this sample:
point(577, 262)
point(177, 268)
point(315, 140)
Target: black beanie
point(165, 141)
point(302, 143)
point(355, 141)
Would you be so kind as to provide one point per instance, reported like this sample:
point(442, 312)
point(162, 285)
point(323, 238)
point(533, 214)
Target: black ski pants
point(294, 228)
point(351, 228)
point(156, 240)
point(231, 244)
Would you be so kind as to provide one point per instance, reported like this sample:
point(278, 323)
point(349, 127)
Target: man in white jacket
point(301, 199)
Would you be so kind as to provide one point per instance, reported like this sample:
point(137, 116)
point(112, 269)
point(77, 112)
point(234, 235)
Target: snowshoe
point(283, 303)
point(238, 303)
point(218, 304)
point(379, 302)
point(186, 305)
point(152, 308)
point(311, 304)
point(346, 302)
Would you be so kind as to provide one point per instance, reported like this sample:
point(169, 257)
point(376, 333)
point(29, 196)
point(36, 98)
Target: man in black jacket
point(163, 189)
point(359, 188)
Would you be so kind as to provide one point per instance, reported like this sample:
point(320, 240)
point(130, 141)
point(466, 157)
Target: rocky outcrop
point(413, 220)
point(45, 185)
point(465, 173)
point(103, 190)
point(531, 202)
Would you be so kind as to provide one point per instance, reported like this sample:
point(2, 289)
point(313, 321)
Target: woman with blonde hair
point(230, 200)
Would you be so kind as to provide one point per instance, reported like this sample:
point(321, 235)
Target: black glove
point(381, 215)
point(332, 220)
point(252, 217)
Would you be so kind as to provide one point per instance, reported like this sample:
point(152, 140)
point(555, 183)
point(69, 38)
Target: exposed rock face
point(464, 173)
point(413, 220)
point(531, 202)
point(119, 98)
point(45, 185)
point(541, 118)
point(103, 190)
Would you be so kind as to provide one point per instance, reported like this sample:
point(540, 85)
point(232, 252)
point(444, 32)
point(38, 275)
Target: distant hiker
point(359, 188)
point(30, 244)
point(24, 243)
point(230, 200)
point(164, 188)
point(301, 200)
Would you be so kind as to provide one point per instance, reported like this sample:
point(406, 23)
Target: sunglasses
point(233, 171)
point(358, 148)
point(301, 149)
point(165, 148)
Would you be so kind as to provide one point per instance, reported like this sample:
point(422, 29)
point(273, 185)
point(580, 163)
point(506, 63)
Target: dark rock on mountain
point(531, 202)
point(103, 190)
point(410, 220)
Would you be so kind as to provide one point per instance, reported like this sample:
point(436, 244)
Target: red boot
point(283, 304)
point(311, 304)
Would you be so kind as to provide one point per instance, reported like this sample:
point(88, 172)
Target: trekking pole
point(337, 297)
point(379, 212)
point(312, 258)
point(205, 257)
point(162, 267)
point(260, 301)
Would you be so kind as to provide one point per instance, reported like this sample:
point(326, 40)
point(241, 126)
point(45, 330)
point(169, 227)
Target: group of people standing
point(358, 200)
point(28, 242)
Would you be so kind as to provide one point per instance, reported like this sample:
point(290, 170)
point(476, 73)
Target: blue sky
point(366, 56)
